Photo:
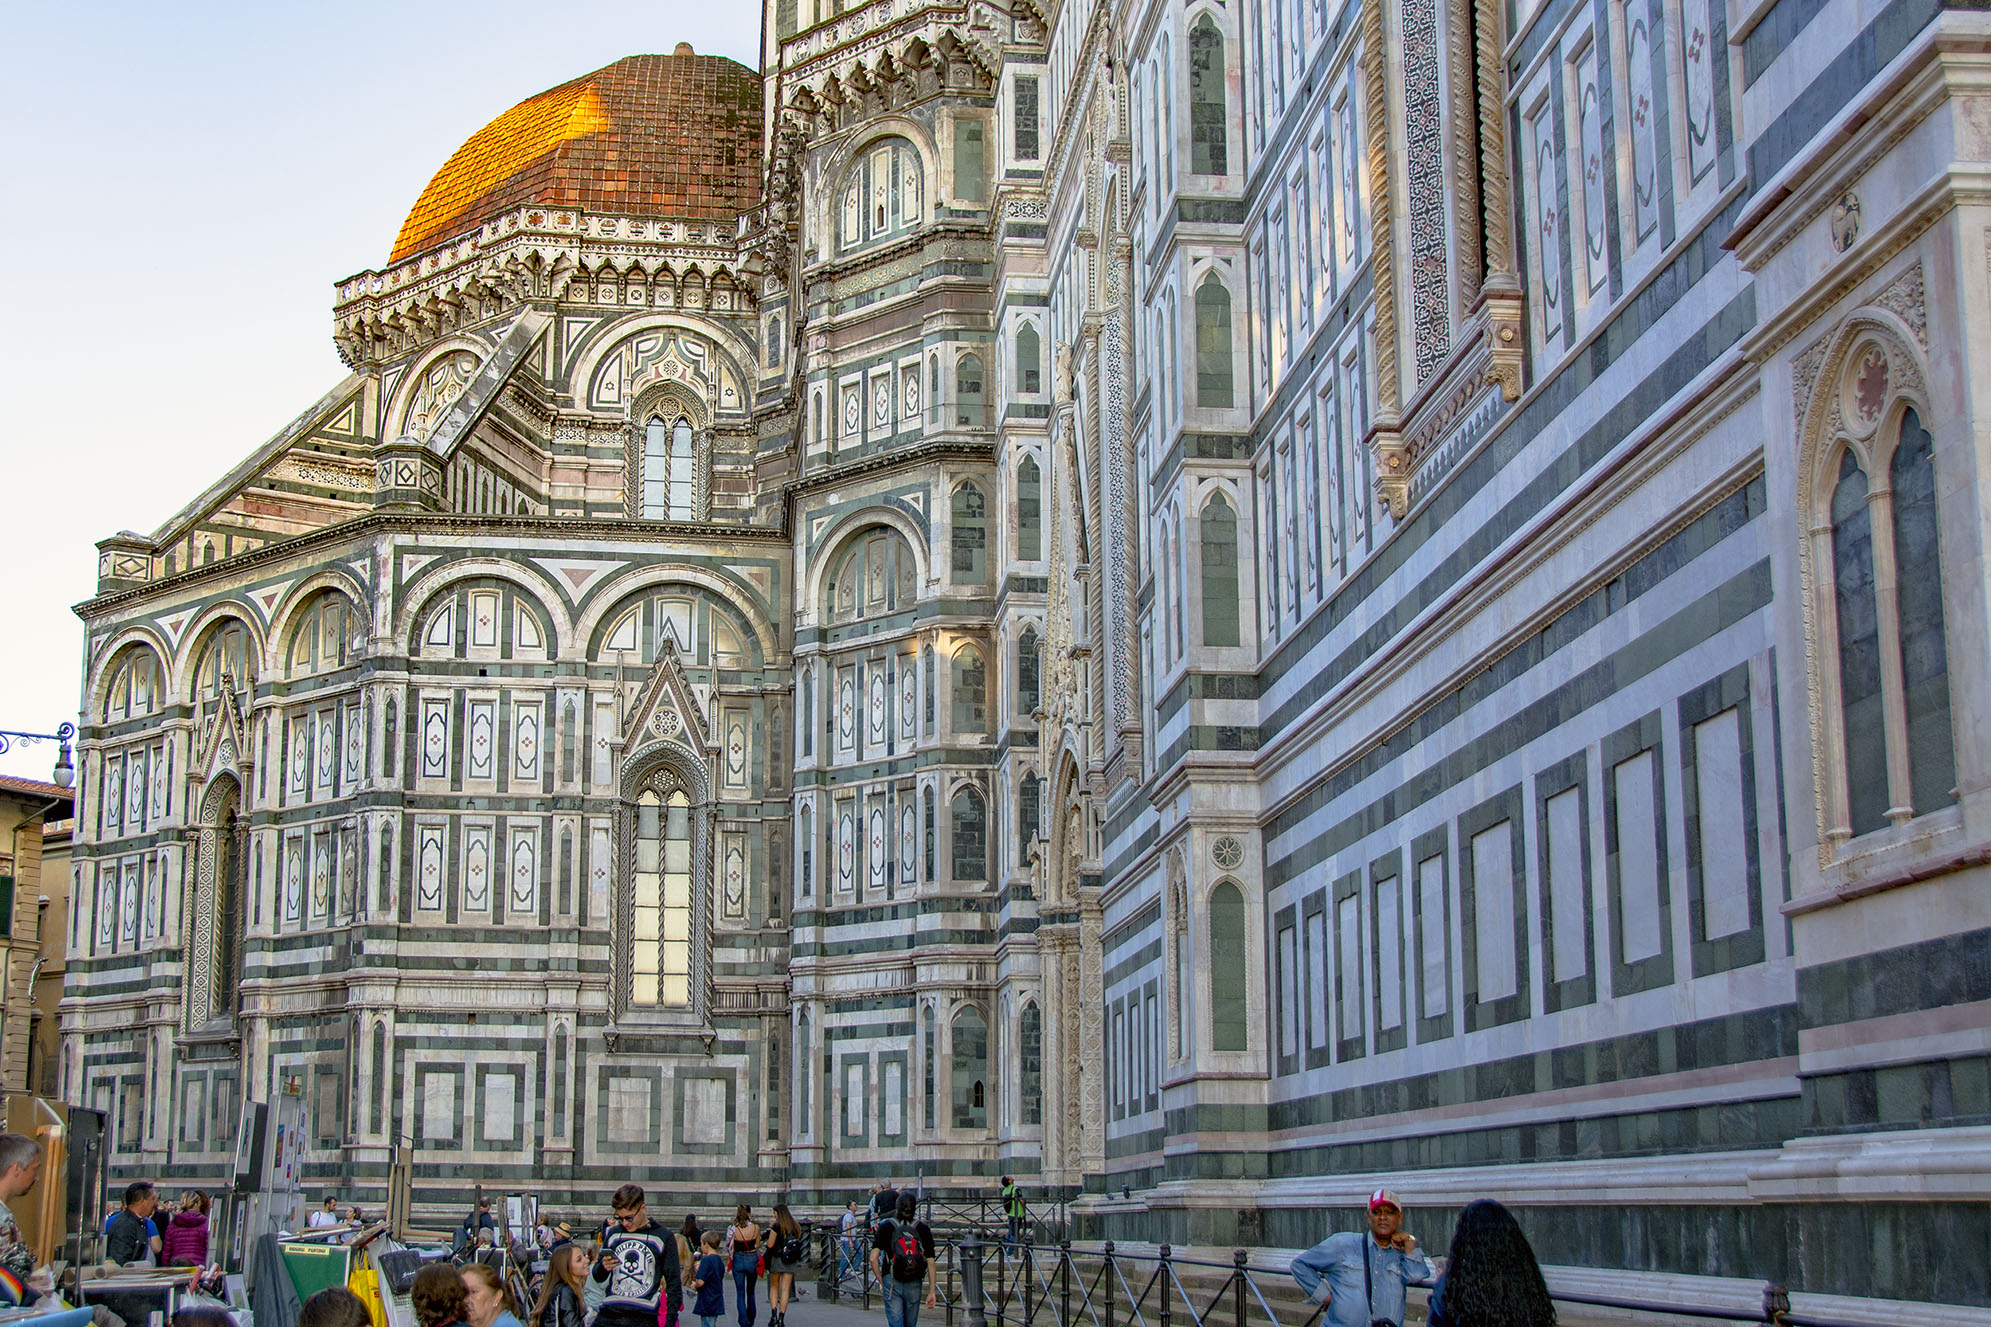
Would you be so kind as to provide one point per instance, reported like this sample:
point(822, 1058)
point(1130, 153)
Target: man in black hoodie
point(638, 1264)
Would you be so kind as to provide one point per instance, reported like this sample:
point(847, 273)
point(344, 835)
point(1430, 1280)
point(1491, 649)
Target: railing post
point(1162, 1277)
point(968, 1254)
point(1111, 1274)
point(1238, 1258)
point(1029, 1281)
point(1002, 1283)
point(1064, 1283)
point(1776, 1303)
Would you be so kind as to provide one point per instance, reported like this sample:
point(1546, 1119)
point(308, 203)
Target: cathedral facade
point(1211, 605)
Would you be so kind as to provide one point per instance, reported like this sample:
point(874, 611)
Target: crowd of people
point(643, 1273)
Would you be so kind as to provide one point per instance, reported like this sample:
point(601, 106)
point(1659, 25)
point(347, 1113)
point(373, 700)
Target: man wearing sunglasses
point(638, 1266)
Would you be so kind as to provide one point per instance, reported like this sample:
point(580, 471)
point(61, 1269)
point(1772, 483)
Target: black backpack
point(908, 1259)
point(791, 1251)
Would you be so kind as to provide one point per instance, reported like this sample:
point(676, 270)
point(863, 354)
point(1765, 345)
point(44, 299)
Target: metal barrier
point(1038, 1285)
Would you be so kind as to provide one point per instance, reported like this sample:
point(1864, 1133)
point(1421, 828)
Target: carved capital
point(1392, 469)
point(1505, 344)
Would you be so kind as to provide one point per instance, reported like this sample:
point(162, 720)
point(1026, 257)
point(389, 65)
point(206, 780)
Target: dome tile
point(662, 135)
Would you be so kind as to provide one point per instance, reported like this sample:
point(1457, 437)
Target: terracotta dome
point(651, 135)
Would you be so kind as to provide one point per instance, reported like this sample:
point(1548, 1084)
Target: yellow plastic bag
point(365, 1282)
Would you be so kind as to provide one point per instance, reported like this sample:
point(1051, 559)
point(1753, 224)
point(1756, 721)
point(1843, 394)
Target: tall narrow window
point(932, 834)
point(808, 711)
point(970, 1069)
point(1029, 692)
point(660, 902)
point(1208, 122)
point(1030, 1039)
point(970, 536)
point(1029, 511)
point(1029, 815)
point(930, 1054)
point(668, 471)
point(680, 490)
point(1025, 138)
point(1213, 342)
point(1227, 969)
point(968, 392)
point(808, 837)
point(1859, 648)
point(971, 692)
point(971, 165)
point(1029, 359)
point(971, 853)
point(1919, 600)
point(1220, 593)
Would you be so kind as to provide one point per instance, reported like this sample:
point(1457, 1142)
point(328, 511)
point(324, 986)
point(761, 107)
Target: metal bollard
point(969, 1255)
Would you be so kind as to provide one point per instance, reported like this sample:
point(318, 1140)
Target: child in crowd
point(710, 1283)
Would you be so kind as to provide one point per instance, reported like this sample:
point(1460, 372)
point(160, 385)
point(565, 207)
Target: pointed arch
point(1215, 375)
point(1229, 1020)
point(1868, 497)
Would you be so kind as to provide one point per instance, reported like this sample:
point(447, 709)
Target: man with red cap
point(1360, 1278)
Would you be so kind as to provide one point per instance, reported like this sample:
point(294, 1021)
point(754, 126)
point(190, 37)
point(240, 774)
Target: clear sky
point(183, 184)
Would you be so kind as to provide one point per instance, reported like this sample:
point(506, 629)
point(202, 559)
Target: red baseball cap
point(1384, 1198)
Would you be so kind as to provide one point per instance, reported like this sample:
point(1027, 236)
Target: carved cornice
point(538, 253)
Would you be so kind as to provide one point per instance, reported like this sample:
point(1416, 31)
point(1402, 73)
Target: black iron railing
point(982, 1282)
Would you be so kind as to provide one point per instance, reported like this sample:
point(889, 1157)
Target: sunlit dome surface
point(651, 135)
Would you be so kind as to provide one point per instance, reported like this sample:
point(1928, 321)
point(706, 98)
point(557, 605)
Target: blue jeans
point(902, 1301)
point(846, 1256)
point(743, 1294)
point(708, 1320)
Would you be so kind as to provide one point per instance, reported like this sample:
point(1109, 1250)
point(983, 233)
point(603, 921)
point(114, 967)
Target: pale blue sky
point(183, 182)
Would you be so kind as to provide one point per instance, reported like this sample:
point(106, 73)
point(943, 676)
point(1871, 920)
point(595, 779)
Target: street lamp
point(65, 770)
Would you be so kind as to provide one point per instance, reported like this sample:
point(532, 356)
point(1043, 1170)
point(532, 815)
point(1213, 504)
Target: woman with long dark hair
point(746, 1264)
point(561, 1302)
point(787, 1254)
point(1491, 1278)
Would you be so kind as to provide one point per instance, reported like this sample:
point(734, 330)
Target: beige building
point(34, 852)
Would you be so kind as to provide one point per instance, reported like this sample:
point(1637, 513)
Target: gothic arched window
point(1891, 637)
point(660, 897)
point(875, 576)
point(968, 409)
point(322, 636)
point(1029, 814)
point(1029, 360)
point(970, 1069)
point(970, 536)
point(669, 471)
point(133, 689)
point(1220, 592)
point(1029, 510)
point(883, 194)
point(1227, 969)
point(971, 838)
point(806, 835)
point(971, 692)
point(1859, 647)
point(1208, 119)
point(1029, 691)
point(225, 656)
point(1924, 642)
point(1213, 342)
point(1030, 1045)
point(213, 985)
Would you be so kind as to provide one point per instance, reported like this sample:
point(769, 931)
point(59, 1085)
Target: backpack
point(908, 1259)
point(792, 1252)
